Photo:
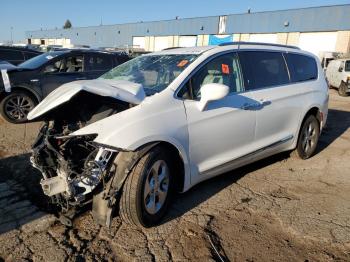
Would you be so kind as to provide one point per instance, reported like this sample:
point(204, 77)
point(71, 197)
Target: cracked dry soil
point(279, 209)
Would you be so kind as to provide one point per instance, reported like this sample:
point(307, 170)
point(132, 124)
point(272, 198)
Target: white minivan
point(165, 121)
point(338, 75)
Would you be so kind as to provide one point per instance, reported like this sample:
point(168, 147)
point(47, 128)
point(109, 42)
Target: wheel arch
point(315, 111)
point(103, 205)
point(176, 154)
point(26, 89)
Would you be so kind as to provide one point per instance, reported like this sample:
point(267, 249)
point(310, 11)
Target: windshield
point(347, 66)
point(153, 72)
point(39, 60)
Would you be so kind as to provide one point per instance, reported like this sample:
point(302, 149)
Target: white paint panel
point(187, 41)
point(139, 41)
point(263, 38)
point(318, 42)
point(160, 43)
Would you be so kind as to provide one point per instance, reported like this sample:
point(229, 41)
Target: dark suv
point(17, 55)
point(34, 79)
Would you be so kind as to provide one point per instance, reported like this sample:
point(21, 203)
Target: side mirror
point(212, 92)
point(340, 69)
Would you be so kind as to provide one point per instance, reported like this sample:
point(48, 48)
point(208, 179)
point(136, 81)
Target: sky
point(22, 15)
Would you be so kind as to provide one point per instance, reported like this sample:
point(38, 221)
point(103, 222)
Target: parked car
point(165, 121)
point(34, 79)
point(6, 65)
point(338, 75)
point(16, 55)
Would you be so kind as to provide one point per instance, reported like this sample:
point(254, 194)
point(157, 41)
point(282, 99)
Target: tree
point(67, 24)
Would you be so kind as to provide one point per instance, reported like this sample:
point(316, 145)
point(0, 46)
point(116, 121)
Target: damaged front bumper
point(72, 168)
point(77, 172)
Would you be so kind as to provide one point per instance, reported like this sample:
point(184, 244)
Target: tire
point(15, 107)
point(342, 89)
point(138, 205)
point(308, 138)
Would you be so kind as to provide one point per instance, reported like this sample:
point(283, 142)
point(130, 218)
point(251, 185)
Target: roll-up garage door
point(139, 42)
point(263, 38)
point(187, 41)
point(318, 42)
point(161, 42)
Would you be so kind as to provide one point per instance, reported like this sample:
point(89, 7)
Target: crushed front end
point(74, 168)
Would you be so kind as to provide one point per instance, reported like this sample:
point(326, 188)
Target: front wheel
point(16, 105)
point(308, 137)
point(342, 90)
point(147, 190)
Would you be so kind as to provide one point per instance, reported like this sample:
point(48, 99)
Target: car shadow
point(21, 197)
point(205, 190)
point(338, 122)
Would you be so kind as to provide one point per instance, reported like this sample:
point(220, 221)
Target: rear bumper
point(324, 113)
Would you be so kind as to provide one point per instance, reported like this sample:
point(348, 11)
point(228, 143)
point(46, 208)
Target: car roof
point(342, 59)
point(227, 46)
point(64, 51)
point(18, 48)
point(183, 50)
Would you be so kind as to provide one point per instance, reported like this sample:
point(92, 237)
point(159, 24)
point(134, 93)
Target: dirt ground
point(279, 209)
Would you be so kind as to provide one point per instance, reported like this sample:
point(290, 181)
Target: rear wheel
point(147, 190)
point(308, 137)
point(16, 105)
point(342, 90)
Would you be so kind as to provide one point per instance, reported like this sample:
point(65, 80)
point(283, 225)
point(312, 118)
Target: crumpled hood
point(119, 89)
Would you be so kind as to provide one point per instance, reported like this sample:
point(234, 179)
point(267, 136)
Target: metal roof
point(313, 19)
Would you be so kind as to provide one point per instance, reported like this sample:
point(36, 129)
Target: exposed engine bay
point(73, 167)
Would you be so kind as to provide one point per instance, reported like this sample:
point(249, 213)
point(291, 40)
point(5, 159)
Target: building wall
point(343, 42)
point(290, 27)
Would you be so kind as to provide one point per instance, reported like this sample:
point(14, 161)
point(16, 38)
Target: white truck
point(338, 75)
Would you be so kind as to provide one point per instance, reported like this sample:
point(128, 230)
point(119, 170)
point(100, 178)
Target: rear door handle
point(247, 106)
point(264, 102)
point(80, 78)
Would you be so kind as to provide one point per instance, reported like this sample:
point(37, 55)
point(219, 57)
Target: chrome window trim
point(245, 90)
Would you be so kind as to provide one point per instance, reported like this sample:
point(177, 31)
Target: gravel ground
point(278, 209)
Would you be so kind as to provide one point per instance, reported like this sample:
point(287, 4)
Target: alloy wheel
point(309, 138)
point(18, 107)
point(156, 187)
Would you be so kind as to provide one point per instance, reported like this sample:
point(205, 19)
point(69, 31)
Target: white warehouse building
point(316, 29)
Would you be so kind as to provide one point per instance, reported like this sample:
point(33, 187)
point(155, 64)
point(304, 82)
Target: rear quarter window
point(29, 55)
point(301, 67)
point(347, 66)
point(11, 55)
point(263, 69)
point(97, 62)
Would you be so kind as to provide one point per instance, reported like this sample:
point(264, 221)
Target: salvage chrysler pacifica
point(165, 121)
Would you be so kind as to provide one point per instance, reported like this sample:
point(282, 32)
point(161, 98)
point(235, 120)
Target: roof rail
point(257, 43)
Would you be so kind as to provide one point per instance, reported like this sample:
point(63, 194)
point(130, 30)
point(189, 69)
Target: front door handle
point(80, 78)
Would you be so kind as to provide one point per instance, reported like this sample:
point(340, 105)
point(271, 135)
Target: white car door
point(340, 74)
point(225, 129)
point(281, 102)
